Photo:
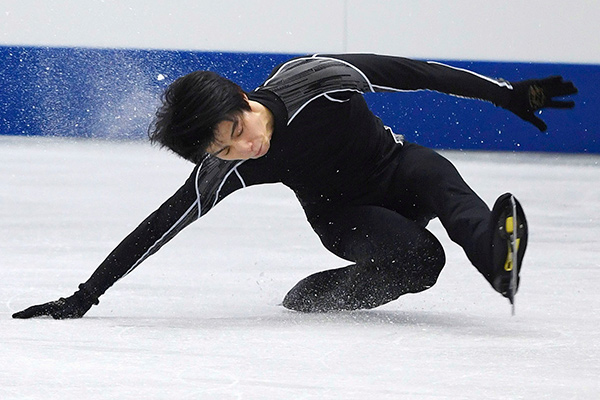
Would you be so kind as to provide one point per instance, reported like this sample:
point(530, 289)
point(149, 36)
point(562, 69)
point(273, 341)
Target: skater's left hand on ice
point(530, 96)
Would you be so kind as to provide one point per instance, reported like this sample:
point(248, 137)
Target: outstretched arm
point(208, 184)
point(176, 213)
point(523, 98)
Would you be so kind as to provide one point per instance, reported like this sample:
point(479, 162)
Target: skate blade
point(512, 257)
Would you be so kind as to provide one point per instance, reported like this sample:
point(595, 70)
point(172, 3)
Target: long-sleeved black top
point(327, 146)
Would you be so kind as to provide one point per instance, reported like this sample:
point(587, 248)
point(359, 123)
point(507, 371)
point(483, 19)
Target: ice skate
point(508, 245)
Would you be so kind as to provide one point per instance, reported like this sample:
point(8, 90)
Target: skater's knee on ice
point(323, 291)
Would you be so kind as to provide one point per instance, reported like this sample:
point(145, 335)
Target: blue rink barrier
point(113, 93)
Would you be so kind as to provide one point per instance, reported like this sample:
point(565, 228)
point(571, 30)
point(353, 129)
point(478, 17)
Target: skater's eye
point(240, 131)
point(236, 128)
point(227, 136)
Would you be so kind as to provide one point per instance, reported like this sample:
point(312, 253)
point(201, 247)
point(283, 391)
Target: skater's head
point(191, 109)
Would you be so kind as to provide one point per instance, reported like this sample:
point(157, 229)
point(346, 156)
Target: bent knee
point(423, 251)
point(423, 264)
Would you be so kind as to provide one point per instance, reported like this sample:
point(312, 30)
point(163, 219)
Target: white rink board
point(552, 31)
point(200, 319)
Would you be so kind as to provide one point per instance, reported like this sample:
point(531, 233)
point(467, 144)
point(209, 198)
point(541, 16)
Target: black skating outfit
point(367, 193)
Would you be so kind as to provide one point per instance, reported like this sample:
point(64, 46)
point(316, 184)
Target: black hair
point(192, 106)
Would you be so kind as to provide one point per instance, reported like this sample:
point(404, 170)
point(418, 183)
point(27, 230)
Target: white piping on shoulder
point(316, 97)
point(328, 97)
point(326, 94)
point(316, 56)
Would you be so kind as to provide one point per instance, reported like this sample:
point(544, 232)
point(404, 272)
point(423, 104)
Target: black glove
point(74, 306)
point(530, 96)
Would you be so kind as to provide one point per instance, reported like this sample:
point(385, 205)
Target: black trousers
point(391, 251)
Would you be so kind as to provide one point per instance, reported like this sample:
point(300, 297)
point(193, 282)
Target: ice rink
point(201, 319)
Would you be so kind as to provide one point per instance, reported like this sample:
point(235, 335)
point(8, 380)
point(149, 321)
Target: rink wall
point(96, 69)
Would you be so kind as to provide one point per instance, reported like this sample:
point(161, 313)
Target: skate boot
point(509, 242)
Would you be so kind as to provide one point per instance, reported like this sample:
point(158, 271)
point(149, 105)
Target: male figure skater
point(366, 191)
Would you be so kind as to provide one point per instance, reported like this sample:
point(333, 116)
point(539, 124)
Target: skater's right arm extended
point(209, 183)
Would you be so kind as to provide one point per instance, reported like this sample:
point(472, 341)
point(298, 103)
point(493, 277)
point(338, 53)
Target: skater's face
point(246, 136)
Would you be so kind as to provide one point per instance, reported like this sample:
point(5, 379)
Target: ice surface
point(201, 319)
